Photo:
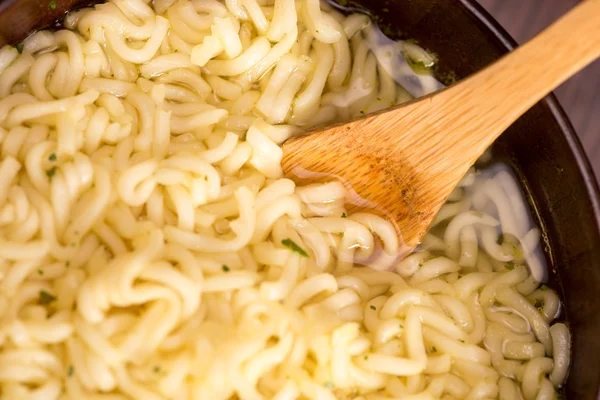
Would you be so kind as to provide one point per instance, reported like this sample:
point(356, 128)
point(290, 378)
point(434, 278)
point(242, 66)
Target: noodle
point(150, 247)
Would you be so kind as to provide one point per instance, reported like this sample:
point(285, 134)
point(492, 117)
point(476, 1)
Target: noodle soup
point(150, 247)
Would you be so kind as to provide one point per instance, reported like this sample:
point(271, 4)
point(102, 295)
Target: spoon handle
point(481, 107)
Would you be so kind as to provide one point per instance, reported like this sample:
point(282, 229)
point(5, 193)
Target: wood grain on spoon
point(403, 163)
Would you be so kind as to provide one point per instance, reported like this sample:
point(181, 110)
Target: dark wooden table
point(580, 96)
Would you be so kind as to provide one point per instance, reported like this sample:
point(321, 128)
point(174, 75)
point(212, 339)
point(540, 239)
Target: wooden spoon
point(403, 163)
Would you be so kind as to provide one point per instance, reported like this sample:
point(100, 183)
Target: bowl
point(541, 148)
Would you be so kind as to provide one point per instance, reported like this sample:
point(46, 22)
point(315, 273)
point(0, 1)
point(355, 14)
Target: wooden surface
point(580, 96)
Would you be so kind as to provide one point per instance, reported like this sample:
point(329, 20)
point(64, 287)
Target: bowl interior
point(541, 147)
point(543, 151)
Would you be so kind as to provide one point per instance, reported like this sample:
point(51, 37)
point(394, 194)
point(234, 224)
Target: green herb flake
point(478, 214)
point(70, 371)
point(373, 307)
point(206, 178)
point(362, 112)
point(52, 157)
point(46, 298)
point(328, 384)
point(40, 272)
point(433, 350)
point(543, 288)
point(52, 5)
point(225, 268)
point(156, 369)
point(401, 326)
point(50, 173)
point(509, 266)
point(460, 340)
point(386, 9)
point(290, 244)
point(366, 358)
point(20, 47)
point(538, 304)
point(344, 215)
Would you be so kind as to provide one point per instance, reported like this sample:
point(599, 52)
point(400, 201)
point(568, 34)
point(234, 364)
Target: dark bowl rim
point(559, 114)
point(506, 41)
point(479, 13)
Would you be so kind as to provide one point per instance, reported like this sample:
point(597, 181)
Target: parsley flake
point(20, 47)
point(40, 272)
point(372, 307)
point(52, 5)
point(344, 215)
point(290, 244)
point(50, 173)
point(46, 298)
point(156, 369)
point(225, 268)
point(70, 371)
point(52, 157)
point(509, 266)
